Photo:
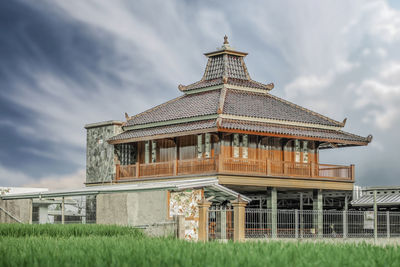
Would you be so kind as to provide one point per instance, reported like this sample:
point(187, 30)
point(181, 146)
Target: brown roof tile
point(186, 106)
point(168, 129)
point(264, 105)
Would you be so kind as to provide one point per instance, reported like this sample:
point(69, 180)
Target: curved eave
point(334, 141)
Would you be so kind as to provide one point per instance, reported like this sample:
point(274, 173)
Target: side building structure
point(229, 127)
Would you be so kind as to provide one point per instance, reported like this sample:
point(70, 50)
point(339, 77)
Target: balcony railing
point(235, 166)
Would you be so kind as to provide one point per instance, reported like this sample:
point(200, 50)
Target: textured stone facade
point(19, 208)
point(100, 165)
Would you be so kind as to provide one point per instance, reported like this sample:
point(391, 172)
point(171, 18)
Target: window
point(296, 150)
point(245, 146)
point(199, 146)
point(127, 154)
point(236, 145)
point(146, 152)
point(305, 151)
point(153, 151)
point(207, 152)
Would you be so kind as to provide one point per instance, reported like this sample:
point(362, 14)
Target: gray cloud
point(65, 64)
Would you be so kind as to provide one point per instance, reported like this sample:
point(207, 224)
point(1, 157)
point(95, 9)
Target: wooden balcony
point(237, 166)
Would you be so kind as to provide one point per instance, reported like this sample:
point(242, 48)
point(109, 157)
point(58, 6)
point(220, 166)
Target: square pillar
point(62, 210)
point(345, 224)
point(223, 223)
point(318, 212)
point(43, 213)
point(204, 205)
point(272, 205)
point(239, 219)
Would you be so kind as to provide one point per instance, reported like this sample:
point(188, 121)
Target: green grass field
point(95, 245)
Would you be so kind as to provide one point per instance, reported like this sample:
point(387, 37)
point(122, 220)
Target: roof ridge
point(245, 68)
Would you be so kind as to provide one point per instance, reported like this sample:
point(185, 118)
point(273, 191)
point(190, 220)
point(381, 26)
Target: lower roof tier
point(338, 137)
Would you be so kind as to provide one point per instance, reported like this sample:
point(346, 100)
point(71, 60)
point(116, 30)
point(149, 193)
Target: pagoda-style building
point(230, 127)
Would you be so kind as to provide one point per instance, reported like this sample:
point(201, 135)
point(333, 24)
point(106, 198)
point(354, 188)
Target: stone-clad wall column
point(100, 165)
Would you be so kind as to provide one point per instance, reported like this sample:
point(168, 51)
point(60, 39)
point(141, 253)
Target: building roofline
point(103, 123)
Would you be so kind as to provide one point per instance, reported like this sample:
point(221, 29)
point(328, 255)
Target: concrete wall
point(20, 209)
point(147, 210)
point(100, 166)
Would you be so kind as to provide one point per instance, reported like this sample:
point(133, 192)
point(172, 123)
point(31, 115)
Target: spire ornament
point(226, 40)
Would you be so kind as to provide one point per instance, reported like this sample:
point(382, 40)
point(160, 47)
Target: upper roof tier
point(227, 99)
point(226, 66)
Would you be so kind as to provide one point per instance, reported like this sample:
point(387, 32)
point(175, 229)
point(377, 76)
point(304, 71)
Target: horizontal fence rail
point(235, 166)
point(264, 223)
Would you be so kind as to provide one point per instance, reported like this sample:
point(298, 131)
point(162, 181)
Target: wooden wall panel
point(259, 148)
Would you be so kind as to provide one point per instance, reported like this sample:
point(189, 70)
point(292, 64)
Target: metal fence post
point(296, 222)
point(301, 215)
point(345, 224)
point(387, 224)
point(375, 218)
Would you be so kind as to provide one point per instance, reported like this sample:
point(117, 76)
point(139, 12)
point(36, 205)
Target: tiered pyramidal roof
point(227, 99)
point(226, 66)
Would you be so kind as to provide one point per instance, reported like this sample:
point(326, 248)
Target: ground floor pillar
point(239, 219)
point(272, 206)
point(203, 205)
point(318, 212)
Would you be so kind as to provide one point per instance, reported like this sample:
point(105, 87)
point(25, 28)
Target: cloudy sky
point(64, 64)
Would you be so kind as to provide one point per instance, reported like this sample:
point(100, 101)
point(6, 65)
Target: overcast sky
point(64, 64)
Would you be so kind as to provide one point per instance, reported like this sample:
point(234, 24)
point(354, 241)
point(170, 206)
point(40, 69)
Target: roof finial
point(226, 39)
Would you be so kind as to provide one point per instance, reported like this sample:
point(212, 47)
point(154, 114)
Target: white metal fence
point(220, 223)
point(76, 210)
point(263, 223)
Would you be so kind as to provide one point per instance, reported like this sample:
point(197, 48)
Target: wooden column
point(117, 172)
point(353, 174)
point(239, 219)
point(204, 205)
point(137, 169)
point(138, 161)
point(312, 164)
point(176, 157)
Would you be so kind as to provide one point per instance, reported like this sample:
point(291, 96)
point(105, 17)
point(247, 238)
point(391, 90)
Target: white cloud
point(308, 85)
point(329, 56)
point(381, 100)
point(385, 21)
point(10, 177)
point(59, 182)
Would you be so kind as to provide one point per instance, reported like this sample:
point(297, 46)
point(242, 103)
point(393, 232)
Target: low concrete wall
point(20, 209)
point(147, 210)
